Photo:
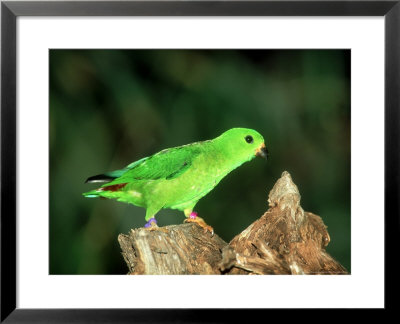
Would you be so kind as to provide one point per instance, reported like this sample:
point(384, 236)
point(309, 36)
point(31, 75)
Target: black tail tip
point(99, 178)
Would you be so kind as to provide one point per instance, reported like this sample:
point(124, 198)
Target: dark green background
point(111, 107)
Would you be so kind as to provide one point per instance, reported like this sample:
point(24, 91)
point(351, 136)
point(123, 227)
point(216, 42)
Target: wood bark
point(285, 240)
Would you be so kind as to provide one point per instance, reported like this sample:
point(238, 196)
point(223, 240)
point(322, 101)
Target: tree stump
point(285, 240)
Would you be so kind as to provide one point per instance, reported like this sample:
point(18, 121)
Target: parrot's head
point(244, 143)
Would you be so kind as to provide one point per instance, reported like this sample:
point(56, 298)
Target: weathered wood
point(285, 240)
point(175, 249)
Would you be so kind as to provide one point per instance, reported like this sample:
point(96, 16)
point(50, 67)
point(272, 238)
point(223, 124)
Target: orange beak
point(262, 151)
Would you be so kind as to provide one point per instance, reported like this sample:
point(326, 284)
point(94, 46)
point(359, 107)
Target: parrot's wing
point(167, 164)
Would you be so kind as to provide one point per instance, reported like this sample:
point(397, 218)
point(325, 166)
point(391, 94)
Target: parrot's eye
point(249, 139)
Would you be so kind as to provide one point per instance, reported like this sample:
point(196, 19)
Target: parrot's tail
point(95, 179)
point(105, 191)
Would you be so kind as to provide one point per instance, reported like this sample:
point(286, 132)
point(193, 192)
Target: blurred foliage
point(111, 107)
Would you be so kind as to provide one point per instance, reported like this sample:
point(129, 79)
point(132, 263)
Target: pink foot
point(193, 215)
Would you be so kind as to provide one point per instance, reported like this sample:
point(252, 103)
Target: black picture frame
point(10, 10)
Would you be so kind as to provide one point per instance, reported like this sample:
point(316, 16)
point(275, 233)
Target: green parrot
point(177, 178)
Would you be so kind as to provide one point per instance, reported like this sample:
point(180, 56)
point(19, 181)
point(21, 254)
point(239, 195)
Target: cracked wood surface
point(285, 240)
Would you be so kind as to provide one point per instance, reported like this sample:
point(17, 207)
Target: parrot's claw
point(151, 225)
point(193, 218)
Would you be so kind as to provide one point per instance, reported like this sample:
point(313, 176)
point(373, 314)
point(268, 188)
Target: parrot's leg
point(193, 218)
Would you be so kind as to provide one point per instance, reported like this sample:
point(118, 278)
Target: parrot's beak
point(262, 151)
